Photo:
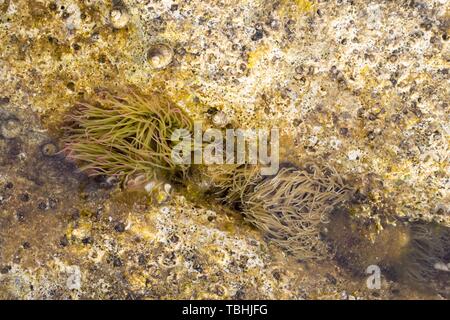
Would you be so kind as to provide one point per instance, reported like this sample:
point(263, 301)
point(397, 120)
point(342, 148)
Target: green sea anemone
point(124, 132)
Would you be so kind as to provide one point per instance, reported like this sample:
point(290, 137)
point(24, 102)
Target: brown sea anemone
point(231, 182)
point(291, 207)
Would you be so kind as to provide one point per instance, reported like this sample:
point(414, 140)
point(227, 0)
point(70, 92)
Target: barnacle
point(120, 132)
point(119, 18)
point(119, 15)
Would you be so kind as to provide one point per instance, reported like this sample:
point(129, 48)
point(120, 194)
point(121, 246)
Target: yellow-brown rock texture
point(362, 85)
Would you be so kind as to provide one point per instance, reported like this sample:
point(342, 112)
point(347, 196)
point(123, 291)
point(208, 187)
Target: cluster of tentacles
point(123, 132)
point(290, 208)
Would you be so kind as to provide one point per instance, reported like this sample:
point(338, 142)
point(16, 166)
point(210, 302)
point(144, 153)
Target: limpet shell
point(159, 55)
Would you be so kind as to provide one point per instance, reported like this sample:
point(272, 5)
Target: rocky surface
point(362, 85)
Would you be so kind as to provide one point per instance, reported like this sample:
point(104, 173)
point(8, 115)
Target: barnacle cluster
point(122, 132)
